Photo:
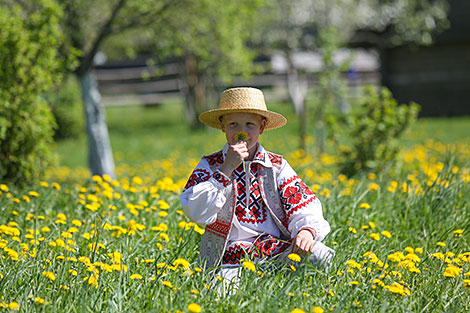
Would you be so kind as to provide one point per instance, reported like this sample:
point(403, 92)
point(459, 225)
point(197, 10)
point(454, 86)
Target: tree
point(211, 38)
point(29, 42)
point(87, 24)
point(327, 25)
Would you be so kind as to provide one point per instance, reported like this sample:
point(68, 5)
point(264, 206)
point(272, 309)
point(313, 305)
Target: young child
point(251, 200)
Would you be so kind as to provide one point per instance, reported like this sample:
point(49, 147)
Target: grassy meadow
point(80, 244)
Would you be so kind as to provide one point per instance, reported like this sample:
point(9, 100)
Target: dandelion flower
point(354, 283)
point(365, 205)
point(249, 266)
point(49, 275)
point(386, 233)
point(181, 262)
point(136, 276)
point(167, 283)
point(317, 309)
point(297, 311)
point(13, 306)
point(466, 283)
point(240, 136)
point(452, 271)
point(375, 236)
point(194, 308)
point(442, 244)
point(398, 289)
point(294, 257)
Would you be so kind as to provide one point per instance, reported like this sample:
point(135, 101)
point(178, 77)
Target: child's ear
point(222, 126)
point(263, 125)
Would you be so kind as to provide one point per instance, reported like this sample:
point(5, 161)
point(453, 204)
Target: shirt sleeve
point(302, 207)
point(205, 193)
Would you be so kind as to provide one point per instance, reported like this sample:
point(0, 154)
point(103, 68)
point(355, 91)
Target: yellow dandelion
point(365, 205)
point(354, 283)
point(49, 275)
point(136, 276)
point(375, 236)
point(441, 244)
point(14, 305)
point(458, 232)
point(466, 283)
point(181, 262)
point(294, 257)
point(249, 266)
point(373, 187)
point(167, 283)
point(194, 308)
point(317, 309)
point(398, 289)
point(386, 233)
point(240, 136)
point(452, 271)
point(297, 311)
point(92, 281)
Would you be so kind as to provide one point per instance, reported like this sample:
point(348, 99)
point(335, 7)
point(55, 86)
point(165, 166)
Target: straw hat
point(242, 100)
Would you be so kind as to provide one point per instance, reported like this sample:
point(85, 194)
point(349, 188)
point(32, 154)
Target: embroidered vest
point(214, 240)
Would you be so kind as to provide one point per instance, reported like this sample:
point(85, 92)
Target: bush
point(372, 132)
point(66, 105)
point(29, 42)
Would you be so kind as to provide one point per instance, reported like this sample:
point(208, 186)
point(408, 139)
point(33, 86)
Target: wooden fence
point(123, 84)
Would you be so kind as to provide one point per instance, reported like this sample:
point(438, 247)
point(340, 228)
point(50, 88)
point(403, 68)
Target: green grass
point(141, 134)
point(421, 202)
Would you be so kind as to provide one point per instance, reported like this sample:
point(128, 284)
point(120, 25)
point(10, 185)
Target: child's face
point(252, 124)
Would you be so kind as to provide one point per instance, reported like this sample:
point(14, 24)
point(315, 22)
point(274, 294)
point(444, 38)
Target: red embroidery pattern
point(218, 227)
point(221, 178)
point(256, 211)
point(198, 176)
point(295, 195)
point(215, 158)
point(276, 159)
point(260, 156)
point(264, 246)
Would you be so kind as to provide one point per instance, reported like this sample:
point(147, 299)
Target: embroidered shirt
point(208, 189)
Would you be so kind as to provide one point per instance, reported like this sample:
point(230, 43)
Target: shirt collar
point(261, 156)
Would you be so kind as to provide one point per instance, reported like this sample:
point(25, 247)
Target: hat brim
point(212, 117)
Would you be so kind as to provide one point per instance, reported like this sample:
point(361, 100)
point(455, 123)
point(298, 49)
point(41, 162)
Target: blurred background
point(125, 80)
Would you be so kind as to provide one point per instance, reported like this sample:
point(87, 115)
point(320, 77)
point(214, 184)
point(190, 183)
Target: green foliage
point(66, 106)
point(29, 42)
point(372, 132)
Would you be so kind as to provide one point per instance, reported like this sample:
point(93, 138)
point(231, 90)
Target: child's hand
point(236, 153)
point(303, 242)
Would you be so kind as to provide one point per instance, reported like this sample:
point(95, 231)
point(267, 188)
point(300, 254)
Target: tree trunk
point(195, 92)
point(298, 87)
point(100, 156)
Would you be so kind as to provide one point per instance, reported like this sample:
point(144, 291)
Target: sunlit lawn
point(401, 237)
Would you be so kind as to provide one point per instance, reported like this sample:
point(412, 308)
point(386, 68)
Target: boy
point(251, 200)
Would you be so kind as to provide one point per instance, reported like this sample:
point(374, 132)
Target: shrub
point(66, 106)
point(372, 131)
point(29, 42)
